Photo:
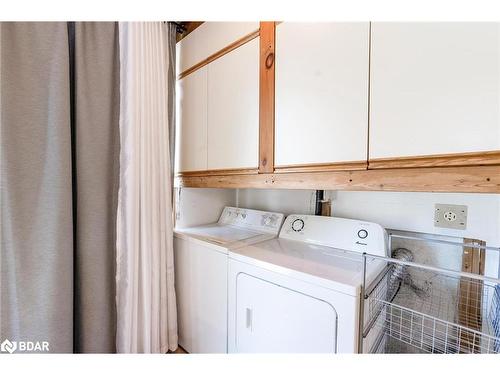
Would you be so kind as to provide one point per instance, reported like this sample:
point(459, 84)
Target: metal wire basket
point(420, 313)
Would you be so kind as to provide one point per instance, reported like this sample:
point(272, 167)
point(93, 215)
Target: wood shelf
point(325, 167)
point(218, 172)
point(441, 160)
point(475, 179)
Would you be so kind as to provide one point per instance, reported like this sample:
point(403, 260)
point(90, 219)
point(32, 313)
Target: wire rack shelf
point(431, 310)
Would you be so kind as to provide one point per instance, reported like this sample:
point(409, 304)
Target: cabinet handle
point(249, 318)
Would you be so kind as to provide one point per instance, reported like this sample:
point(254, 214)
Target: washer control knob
point(298, 225)
point(362, 233)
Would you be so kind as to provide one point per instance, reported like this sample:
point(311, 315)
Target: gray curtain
point(59, 184)
point(36, 192)
point(97, 152)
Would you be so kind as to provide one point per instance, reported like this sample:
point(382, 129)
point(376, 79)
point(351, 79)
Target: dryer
point(201, 266)
point(301, 292)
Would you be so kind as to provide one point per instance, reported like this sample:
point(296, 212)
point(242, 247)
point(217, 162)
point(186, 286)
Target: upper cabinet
point(233, 109)
point(435, 89)
point(191, 118)
point(208, 39)
point(218, 98)
point(393, 104)
point(321, 108)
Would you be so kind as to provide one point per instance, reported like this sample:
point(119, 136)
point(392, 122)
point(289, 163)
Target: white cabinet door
point(233, 109)
point(185, 307)
point(209, 38)
point(434, 88)
point(271, 319)
point(321, 92)
point(201, 289)
point(191, 120)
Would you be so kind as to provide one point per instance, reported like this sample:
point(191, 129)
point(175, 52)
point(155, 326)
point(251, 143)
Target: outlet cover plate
point(452, 216)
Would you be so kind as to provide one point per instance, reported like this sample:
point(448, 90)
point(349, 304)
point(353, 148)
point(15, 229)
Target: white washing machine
point(301, 292)
point(201, 266)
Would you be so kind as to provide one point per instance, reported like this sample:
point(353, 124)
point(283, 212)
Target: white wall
point(415, 211)
point(284, 201)
point(201, 206)
point(403, 211)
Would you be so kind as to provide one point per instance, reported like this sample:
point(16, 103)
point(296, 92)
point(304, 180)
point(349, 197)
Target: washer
point(301, 292)
point(201, 266)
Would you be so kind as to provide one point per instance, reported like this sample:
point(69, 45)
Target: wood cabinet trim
point(478, 179)
point(189, 28)
point(441, 160)
point(324, 167)
point(369, 93)
point(218, 172)
point(238, 43)
point(458, 172)
point(471, 294)
point(266, 96)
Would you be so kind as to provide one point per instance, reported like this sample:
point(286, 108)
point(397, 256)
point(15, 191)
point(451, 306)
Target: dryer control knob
point(362, 233)
point(298, 225)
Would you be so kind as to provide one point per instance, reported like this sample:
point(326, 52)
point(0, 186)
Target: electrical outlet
point(451, 216)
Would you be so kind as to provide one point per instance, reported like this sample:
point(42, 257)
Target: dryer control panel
point(252, 219)
point(345, 234)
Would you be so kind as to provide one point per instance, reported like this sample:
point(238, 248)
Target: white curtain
point(146, 306)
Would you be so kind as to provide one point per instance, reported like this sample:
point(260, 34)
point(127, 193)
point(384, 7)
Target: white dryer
point(201, 266)
point(301, 292)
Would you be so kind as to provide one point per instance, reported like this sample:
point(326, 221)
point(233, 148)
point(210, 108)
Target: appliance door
point(271, 318)
point(201, 289)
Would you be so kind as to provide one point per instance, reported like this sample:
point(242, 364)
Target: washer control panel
point(298, 225)
point(362, 233)
point(252, 219)
point(345, 234)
